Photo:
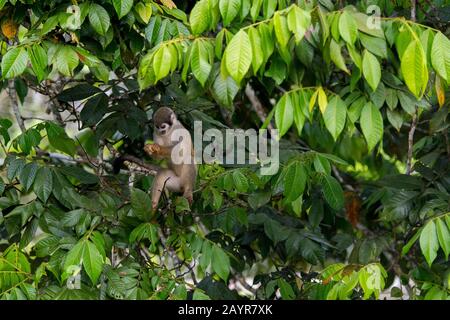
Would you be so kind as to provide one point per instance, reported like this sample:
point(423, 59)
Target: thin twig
point(411, 143)
point(340, 179)
point(85, 153)
point(413, 10)
point(251, 95)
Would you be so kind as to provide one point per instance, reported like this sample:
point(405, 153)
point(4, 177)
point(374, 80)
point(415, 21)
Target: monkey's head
point(164, 118)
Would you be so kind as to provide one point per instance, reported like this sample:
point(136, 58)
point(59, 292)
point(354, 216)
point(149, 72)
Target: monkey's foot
point(189, 198)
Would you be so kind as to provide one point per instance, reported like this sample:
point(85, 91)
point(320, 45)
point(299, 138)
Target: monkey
point(172, 142)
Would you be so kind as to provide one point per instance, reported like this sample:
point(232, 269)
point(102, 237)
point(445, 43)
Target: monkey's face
point(164, 118)
point(162, 128)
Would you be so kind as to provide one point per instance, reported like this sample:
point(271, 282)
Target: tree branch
point(131, 162)
point(15, 105)
point(251, 95)
point(413, 10)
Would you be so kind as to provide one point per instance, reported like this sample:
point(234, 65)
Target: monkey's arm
point(157, 151)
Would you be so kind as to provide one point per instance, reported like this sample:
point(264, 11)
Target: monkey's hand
point(152, 149)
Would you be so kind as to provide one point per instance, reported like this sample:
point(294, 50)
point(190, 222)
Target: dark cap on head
point(163, 115)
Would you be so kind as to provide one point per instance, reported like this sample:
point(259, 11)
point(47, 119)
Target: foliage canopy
point(361, 198)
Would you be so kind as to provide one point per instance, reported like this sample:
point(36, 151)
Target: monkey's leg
point(165, 178)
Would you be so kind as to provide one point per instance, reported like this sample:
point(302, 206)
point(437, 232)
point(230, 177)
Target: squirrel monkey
point(173, 142)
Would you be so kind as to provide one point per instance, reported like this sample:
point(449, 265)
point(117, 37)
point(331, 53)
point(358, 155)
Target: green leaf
point(38, 58)
point(43, 184)
point(414, 68)
point(74, 257)
point(72, 218)
point(355, 56)
point(59, 140)
point(220, 263)
point(255, 40)
point(440, 56)
point(229, 9)
point(391, 98)
point(336, 56)
point(334, 158)
point(21, 89)
point(274, 230)
point(311, 251)
point(28, 174)
point(375, 45)
point(14, 62)
point(324, 26)
point(2, 186)
point(224, 90)
point(141, 204)
point(284, 114)
point(15, 167)
point(5, 124)
point(371, 122)
point(298, 21)
point(122, 7)
point(371, 69)
point(429, 242)
point(161, 62)
point(321, 164)
point(269, 8)
point(201, 68)
point(94, 110)
point(334, 21)
point(267, 41)
point(332, 192)
point(281, 29)
point(354, 111)
point(286, 291)
point(99, 18)
point(65, 60)
point(199, 18)
point(199, 295)
point(92, 261)
point(335, 115)
point(348, 28)
point(436, 293)
point(78, 92)
point(240, 181)
point(140, 232)
point(300, 106)
point(294, 181)
point(443, 236)
point(238, 56)
point(395, 119)
point(255, 9)
point(277, 70)
point(144, 11)
point(410, 243)
point(407, 101)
